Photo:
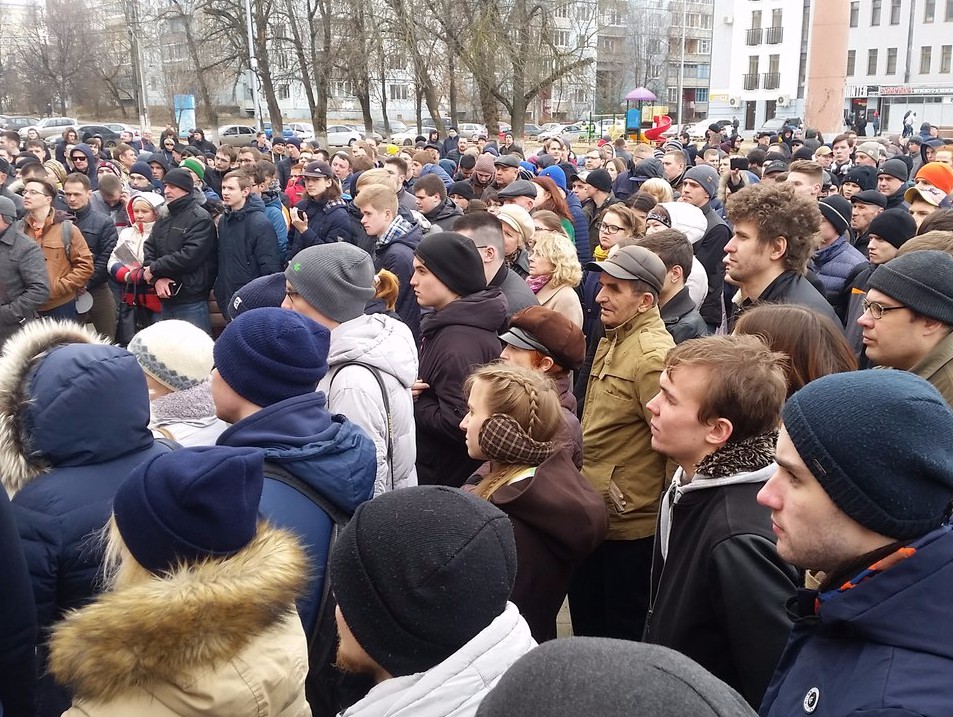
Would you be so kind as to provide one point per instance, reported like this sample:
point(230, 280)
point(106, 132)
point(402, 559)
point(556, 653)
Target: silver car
point(50, 127)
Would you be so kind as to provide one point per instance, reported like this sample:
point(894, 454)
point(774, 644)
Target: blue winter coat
point(439, 171)
point(397, 256)
point(833, 265)
point(17, 621)
point(879, 649)
point(329, 453)
point(580, 225)
point(275, 212)
point(88, 420)
point(328, 222)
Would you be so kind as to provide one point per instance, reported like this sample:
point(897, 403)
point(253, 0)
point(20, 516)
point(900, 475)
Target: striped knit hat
point(175, 353)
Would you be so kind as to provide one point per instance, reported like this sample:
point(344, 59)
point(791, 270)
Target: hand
point(299, 220)
point(147, 275)
point(418, 388)
point(162, 288)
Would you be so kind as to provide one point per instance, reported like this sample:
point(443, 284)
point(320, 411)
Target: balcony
point(752, 81)
point(754, 36)
point(771, 80)
point(774, 35)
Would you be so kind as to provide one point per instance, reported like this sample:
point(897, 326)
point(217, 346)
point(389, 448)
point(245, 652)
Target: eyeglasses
point(610, 228)
point(33, 193)
point(877, 310)
point(291, 293)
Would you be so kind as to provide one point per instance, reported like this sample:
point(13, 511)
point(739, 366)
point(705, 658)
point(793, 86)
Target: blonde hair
point(378, 196)
point(120, 568)
point(386, 288)
point(376, 176)
point(527, 396)
point(559, 251)
point(658, 188)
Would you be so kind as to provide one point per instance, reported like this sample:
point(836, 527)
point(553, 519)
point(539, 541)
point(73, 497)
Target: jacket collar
point(633, 325)
point(677, 307)
point(941, 355)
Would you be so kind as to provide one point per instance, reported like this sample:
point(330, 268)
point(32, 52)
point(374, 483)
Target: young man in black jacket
point(719, 588)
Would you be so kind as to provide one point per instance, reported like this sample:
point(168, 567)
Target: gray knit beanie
point(921, 280)
point(336, 279)
point(707, 177)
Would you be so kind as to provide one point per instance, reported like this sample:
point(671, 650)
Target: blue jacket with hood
point(330, 454)
point(397, 256)
point(879, 649)
point(63, 454)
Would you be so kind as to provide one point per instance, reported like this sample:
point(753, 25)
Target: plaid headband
point(503, 439)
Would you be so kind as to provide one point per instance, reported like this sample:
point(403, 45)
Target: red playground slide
point(661, 123)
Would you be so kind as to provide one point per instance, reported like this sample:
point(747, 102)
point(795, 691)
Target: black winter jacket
point(710, 251)
point(788, 288)
point(182, 248)
point(328, 222)
point(101, 236)
point(397, 257)
point(247, 248)
point(682, 319)
point(443, 216)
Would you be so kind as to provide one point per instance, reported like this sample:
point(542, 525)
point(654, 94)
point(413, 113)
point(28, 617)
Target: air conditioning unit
point(784, 101)
point(729, 20)
point(734, 102)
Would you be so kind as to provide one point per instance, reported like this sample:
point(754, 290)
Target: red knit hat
point(939, 175)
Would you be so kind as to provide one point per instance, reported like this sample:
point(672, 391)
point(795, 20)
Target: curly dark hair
point(778, 211)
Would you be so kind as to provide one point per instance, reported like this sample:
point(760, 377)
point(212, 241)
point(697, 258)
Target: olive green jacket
point(937, 368)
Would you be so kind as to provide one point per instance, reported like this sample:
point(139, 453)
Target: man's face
point(930, 153)
point(693, 193)
point(764, 141)
point(35, 198)
point(79, 160)
point(125, 137)
point(228, 404)
point(804, 185)
point(521, 358)
point(427, 202)
point(812, 532)
point(146, 135)
point(849, 189)
point(460, 201)
point(462, 144)
point(394, 171)
point(245, 159)
point(593, 160)
point(222, 162)
point(505, 175)
point(579, 188)
point(525, 202)
point(671, 167)
point(556, 151)
point(888, 185)
point(920, 210)
point(415, 168)
point(483, 178)
point(676, 430)
point(841, 151)
point(139, 181)
point(825, 160)
point(617, 301)
point(862, 214)
point(171, 193)
point(340, 167)
point(711, 159)
point(76, 195)
point(278, 150)
point(37, 152)
point(293, 150)
point(944, 156)
point(864, 160)
point(375, 221)
point(896, 338)
point(428, 289)
point(232, 193)
point(746, 258)
point(880, 251)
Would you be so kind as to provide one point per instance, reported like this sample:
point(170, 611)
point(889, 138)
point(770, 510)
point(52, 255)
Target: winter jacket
point(387, 345)
point(788, 288)
point(92, 163)
point(116, 212)
point(24, 283)
point(558, 520)
point(149, 649)
point(443, 216)
point(875, 647)
point(397, 256)
point(16, 199)
point(562, 299)
point(328, 222)
point(515, 290)
point(719, 589)
point(456, 686)
point(280, 219)
point(247, 248)
point(896, 200)
point(125, 260)
point(100, 234)
point(937, 368)
point(456, 339)
point(187, 417)
point(67, 274)
point(567, 401)
point(181, 247)
point(330, 454)
point(833, 265)
point(710, 251)
point(439, 171)
point(682, 319)
point(855, 293)
point(617, 442)
point(87, 417)
point(580, 225)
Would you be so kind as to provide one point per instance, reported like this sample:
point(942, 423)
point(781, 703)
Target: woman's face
point(611, 230)
point(613, 172)
point(541, 196)
point(540, 265)
point(478, 410)
point(511, 239)
point(32, 134)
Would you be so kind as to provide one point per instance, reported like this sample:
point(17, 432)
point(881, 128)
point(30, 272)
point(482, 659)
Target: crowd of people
point(287, 431)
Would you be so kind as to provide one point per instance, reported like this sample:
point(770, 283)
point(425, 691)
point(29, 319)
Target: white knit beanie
point(175, 353)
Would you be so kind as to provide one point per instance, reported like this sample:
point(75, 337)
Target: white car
point(50, 127)
point(119, 128)
point(302, 130)
point(340, 135)
point(236, 135)
point(569, 132)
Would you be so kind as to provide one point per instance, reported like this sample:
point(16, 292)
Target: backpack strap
point(375, 372)
point(67, 229)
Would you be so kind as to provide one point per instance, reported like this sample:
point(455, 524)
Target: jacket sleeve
point(338, 226)
point(107, 242)
point(363, 405)
point(36, 283)
point(581, 239)
point(441, 407)
point(750, 589)
point(198, 244)
point(81, 267)
point(266, 248)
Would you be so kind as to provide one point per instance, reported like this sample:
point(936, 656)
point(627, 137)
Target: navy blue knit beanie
point(268, 355)
point(876, 442)
point(190, 504)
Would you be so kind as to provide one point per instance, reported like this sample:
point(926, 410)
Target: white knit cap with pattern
point(175, 353)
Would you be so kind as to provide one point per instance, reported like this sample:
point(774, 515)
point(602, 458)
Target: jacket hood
point(154, 199)
point(158, 630)
point(411, 238)
point(67, 398)
point(899, 607)
point(447, 210)
point(688, 219)
point(483, 310)
point(378, 340)
point(329, 453)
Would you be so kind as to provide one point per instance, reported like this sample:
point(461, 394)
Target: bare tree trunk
point(264, 67)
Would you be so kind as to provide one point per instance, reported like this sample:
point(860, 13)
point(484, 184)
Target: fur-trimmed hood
point(184, 627)
point(86, 408)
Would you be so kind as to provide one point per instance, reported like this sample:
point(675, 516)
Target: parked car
point(236, 135)
point(50, 126)
point(471, 130)
point(776, 124)
point(18, 122)
point(569, 132)
point(286, 131)
point(110, 137)
point(119, 128)
point(302, 130)
point(340, 135)
point(396, 126)
point(531, 131)
point(697, 130)
point(359, 128)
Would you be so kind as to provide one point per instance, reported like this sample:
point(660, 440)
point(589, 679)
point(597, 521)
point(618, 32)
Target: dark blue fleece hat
point(190, 504)
point(875, 442)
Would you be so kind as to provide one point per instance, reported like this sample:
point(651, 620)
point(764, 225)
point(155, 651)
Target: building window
point(946, 55)
point(929, 10)
point(701, 95)
point(891, 61)
point(851, 61)
point(949, 11)
point(875, 8)
point(561, 38)
point(755, 19)
point(399, 92)
point(854, 13)
point(777, 17)
point(672, 95)
point(871, 62)
point(614, 17)
point(706, 22)
point(704, 47)
point(926, 59)
point(895, 12)
point(753, 64)
point(562, 11)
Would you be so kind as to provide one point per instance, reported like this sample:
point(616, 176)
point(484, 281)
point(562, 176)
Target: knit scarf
point(600, 254)
point(536, 283)
point(504, 440)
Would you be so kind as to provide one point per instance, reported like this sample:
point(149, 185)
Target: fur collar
point(168, 627)
point(736, 457)
point(20, 354)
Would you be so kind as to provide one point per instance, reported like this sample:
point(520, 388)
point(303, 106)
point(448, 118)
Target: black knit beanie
point(894, 226)
point(455, 260)
point(921, 280)
point(419, 572)
point(874, 441)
